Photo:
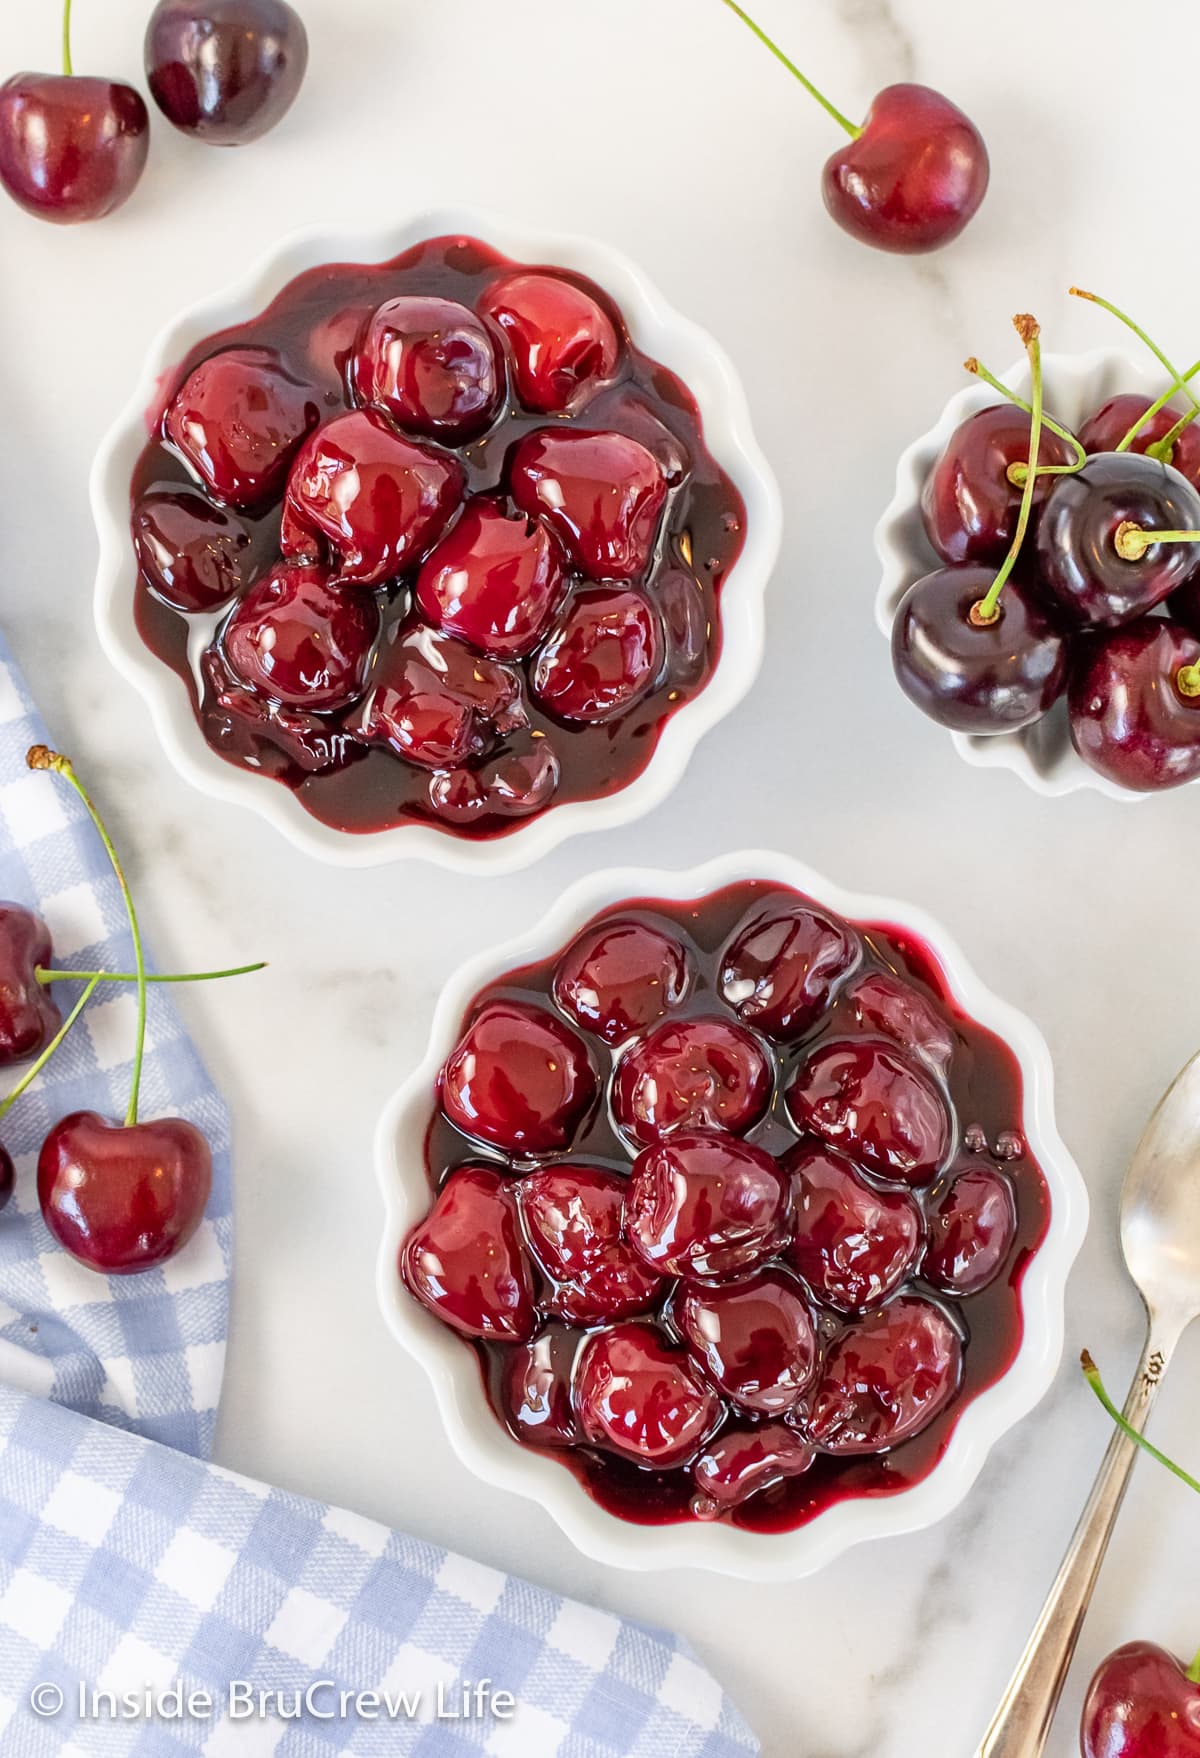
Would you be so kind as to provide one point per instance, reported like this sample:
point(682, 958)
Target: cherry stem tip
point(1092, 1374)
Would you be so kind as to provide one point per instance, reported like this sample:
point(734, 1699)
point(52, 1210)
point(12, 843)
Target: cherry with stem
point(1161, 449)
point(988, 609)
point(35, 1068)
point(1017, 472)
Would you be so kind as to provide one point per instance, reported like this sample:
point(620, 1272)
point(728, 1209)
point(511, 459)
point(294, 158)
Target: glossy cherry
point(493, 580)
point(561, 341)
point(29, 1017)
point(123, 1197)
point(574, 1220)
point(697, 1073)
point(743, 1461)
point(639, 1396)
point(885, 1378)
point(307, 743)
point(755, 1339)
point(602, 656)
point(972, 1225)
point(1130, 720)
point(376, 500)
point(875, 1105)
point(891, 1008)
point(435, 702)
point(225, 71)
point(621, 977)
point(519, 1078)
point(1142, 1703)
point(705, 1204)
point(969, 503)
point(8, 1177)
point(974, 675)
point(854, 1245)
point(432, 366)
point(465, 1260)
point(1104, 431)
point(686, 623)
point(602, 494)
point(297, 639)
point(785, 965)
point(1080, 564)
point(536, 1389)
point(238, 419)
point(194, 555)
point(513, 784)
point(71, 147)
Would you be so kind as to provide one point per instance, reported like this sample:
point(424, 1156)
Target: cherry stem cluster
point(810, 88)
point(1162, 449)
point(988, 608)
point(1017, 472)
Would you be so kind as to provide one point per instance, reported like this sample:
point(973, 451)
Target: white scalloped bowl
point(477, 1436)
point(1076, 384)
point(657, 329)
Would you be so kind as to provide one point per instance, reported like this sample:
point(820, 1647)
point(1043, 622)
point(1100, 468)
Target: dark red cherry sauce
point(312, 333)
point(976, 1075)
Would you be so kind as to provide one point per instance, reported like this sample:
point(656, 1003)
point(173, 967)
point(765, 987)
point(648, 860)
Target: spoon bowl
point(1160, 1206)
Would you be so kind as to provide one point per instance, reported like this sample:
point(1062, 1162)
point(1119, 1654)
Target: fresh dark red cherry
point(1130, 721)
point(378, 500)
point(513, 784)
point(601, 493)
point(755, 1339)
point(885, 1378)
point(971, 675)
point(519, 1079)
point(639, 1396)
point(700, 1073)
point(972, 1225)
point(193, 554)
point(743, 1461)
point(892, 1008)
point(237, 420)
point(432, 366)
point(435, 702)
point(225, 71)
point(785, 965)
point(969, 504)
point(707, 1205)
point(299, 640)
point(872, 1103)
point(854, 1245)
point(536, 1388)
point(604, 653)
point(913, 177)
point(1104, 431)
point(8, 1177)
point(1142, 1703)
point(122, 1197)
point(1080, 564)
point(465, 1261)
point(574, 1220)
point(619, 977)
point(561, 341)
point(493, 580)
point(71, 147)
point(29, 1017)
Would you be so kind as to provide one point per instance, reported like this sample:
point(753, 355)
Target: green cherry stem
point(810, 88)
point(1091, 1374)
point(39, 757)
point(1132, 540)
point(1179, 381)
point(241, 970)
point(1162, 448)
point(1017, 471)
point(988, 609)
point(1193, 1672)
point(35, 1068)
point(66, 39)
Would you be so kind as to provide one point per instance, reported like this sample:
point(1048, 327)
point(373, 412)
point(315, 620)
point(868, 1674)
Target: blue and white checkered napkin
point(152, 1604)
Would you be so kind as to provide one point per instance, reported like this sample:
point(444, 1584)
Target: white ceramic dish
point(1076, 384)
point(474, 1432)
point(657, 329)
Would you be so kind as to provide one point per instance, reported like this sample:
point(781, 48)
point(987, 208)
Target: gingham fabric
point(143, 1352)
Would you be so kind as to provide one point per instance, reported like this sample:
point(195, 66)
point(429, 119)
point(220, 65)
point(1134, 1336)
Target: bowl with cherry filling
point(1052, 622)
point(728, 1216)
point(430, 545)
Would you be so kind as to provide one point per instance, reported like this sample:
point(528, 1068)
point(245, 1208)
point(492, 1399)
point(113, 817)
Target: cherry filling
point(296, 639)
point(478, 450)
point(673, 1283)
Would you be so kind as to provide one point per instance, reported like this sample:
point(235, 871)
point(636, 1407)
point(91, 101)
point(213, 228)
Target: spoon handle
point(1022, 1722)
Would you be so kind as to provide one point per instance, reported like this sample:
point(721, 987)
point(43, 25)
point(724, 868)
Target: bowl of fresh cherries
point(728, 1216)
point(419, 546)
point(1051, 620)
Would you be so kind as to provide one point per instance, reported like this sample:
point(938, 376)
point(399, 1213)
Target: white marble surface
point(661, 126)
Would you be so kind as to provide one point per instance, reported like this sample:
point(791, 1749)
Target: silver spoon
point(1160, 1236)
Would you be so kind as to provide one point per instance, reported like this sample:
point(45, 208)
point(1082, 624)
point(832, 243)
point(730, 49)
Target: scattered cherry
point(29, 1016)
point(225, 71)
point(885, 1378)
point(493, 580)
point(705, 1205)
point(755, 1339)
point(432, 366)
point(436, 702)
point(123, 1197)
point(297, 639)
point(8, 1177)
point(519, 1079)
point(972, 1225)
point(574, 1221)
point(192, 553)
point(783, 969)
point(854, 1245)
point(464, 1260)
point(237, 420)
point(1131, 719)
point(1142, 1703)
point(870, 1101)
point(621, 977)
point(561, 341)
point(699, 1073)
point(641, 1397)
point(604, 654)
point(602, 493)
point(970, 503)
